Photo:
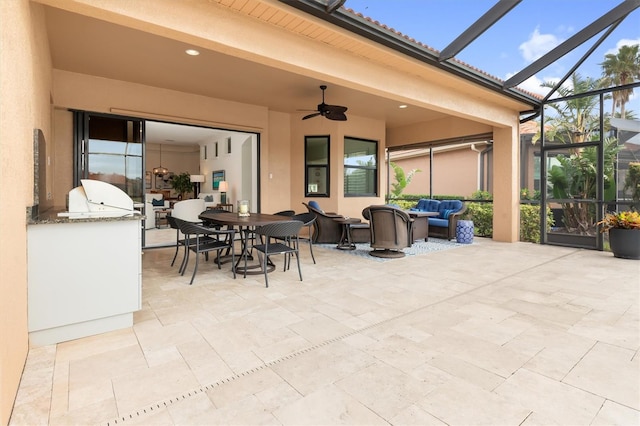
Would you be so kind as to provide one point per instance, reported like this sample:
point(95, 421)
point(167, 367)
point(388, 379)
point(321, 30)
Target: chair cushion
point(315, 205)
point(157, 203)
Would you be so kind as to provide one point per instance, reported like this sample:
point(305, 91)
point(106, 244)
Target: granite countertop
point(51, 216)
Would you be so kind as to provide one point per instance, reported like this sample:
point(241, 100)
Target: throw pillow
point(444, 214)
point(208, 198)
point(157, 203)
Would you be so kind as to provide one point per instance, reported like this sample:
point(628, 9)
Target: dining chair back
point(308, 219)
point(285, 241)
point(201, 239)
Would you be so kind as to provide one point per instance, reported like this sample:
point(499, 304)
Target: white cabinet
point(84, 278)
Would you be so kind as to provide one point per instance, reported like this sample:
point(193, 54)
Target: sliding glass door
point(110, 149)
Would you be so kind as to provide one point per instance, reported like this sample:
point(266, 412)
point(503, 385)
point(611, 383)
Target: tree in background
point(575, 176)
point(402, 180)
point(620, 69)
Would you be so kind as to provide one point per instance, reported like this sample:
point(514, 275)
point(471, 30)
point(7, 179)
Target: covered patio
point(489, 333)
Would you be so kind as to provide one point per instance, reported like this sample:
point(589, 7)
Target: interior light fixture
point(223, 187)
point(192, 52)
point(403, 106)
point(160, 171)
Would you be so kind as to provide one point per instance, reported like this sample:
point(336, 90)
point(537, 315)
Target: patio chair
point(285, 213)
point(180, 242)
point(327, 231)
point(308, 219)
point(188, 210)
point(200, 239)
point(391, 230)
point(287, 232)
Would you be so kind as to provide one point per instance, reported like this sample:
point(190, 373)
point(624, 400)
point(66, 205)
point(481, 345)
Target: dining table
point(244, 224)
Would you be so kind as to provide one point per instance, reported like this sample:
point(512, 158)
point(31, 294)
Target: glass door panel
point(112, 152)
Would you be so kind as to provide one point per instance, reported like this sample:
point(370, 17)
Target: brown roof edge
point(368, 28)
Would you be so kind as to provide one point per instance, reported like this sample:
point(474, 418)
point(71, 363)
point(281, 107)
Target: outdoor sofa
point(449, 211)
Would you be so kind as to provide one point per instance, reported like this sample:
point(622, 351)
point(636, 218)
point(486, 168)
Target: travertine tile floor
point(492, 333)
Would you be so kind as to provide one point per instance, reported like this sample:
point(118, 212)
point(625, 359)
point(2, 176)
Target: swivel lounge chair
point(391, 231)
point(328, 231)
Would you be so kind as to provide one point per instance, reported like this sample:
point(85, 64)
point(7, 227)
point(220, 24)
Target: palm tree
point(620, 69)
point(575, 120)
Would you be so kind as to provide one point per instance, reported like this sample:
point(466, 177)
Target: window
point(360, 167)
point(316, 157)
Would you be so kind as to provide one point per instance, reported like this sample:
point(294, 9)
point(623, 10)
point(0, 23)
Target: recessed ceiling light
point(402, 106)
point(192, 52)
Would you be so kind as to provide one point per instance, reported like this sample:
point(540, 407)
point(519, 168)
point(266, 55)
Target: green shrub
point(482, 195)
point(482, 216)
point(530, 222)
point(405, 204)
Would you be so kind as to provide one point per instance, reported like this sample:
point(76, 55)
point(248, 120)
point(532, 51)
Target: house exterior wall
point(455, 172)
point(359, 127)
point(24, 106)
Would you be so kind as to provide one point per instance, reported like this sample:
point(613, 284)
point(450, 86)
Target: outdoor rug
point(418, 248)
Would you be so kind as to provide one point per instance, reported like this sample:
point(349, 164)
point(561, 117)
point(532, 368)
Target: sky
point(528, 31)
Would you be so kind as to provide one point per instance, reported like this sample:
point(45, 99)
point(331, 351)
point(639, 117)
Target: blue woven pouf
point(464, 232)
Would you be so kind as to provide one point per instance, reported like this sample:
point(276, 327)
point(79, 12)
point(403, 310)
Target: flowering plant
point(621, 220)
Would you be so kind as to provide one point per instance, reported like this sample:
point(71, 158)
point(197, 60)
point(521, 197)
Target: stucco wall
point(24, 105)
point(356, 127)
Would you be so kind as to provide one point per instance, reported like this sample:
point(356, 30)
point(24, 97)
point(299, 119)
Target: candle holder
point(243, 208)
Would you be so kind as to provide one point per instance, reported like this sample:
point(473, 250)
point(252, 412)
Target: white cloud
point(622, 42)
point(537, 45)
point(534, 85)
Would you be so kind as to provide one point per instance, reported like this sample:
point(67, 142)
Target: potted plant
point(624, 233)
point(181, 184)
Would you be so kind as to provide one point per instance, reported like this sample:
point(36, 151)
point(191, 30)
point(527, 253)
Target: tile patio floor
point(492, 333)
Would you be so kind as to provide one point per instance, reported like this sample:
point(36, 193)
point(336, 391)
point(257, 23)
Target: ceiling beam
point(492, 16)
point(616, 14)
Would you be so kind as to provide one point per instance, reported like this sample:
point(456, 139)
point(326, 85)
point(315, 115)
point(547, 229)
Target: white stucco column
point(506, 191)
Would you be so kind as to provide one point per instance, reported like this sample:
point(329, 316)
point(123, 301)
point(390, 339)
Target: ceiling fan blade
point(335, 108)
point(311, 115)
point(336, 115)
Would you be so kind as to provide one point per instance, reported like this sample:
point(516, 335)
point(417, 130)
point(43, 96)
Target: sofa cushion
point(208, 198)
point(157, 203)
point(436, 221)
point(427, 205)
point(455, 205)
point(444, 213)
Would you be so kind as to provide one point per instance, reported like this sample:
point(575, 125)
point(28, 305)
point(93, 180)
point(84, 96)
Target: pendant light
point(160, 171)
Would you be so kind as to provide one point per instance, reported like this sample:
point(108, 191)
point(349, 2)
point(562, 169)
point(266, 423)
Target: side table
point(345, 240)
point(161, 214)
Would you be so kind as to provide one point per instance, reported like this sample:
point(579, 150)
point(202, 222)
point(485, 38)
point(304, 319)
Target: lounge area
point(486, 342)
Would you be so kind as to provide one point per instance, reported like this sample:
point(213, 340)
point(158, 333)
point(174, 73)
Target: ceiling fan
point(332, 112)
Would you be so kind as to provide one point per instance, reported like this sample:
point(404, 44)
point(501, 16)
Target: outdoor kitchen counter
point(51, 216)
point(84, 275)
